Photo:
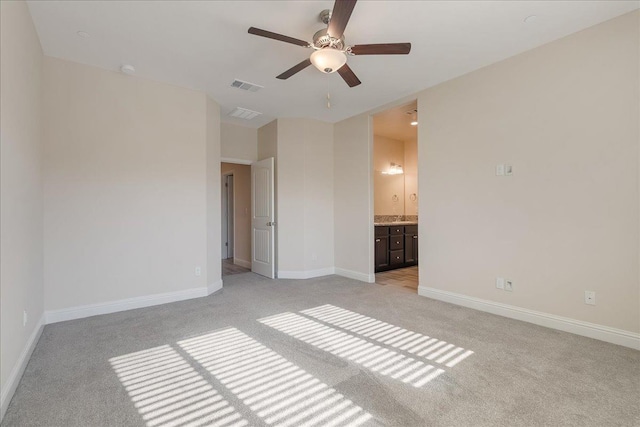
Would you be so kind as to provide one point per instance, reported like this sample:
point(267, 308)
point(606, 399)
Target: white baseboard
point(80, 312)
point(578, 327)
point(242, 263)
point(214, 287)
point(363, 277)
point(306, 274)
point(18, 369)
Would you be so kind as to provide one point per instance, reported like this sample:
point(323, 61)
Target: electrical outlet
point(198, 271)
point(590, 297)
point(500, 282)
point(24, 318)
point(508, 286)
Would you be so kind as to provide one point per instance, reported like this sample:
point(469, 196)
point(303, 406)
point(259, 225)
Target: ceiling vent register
point(244, 114)
point(251, 87)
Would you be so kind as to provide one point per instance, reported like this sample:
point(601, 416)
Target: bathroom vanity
point(396, 245)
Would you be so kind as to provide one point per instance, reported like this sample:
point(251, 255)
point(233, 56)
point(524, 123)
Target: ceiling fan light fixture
point(328, 60)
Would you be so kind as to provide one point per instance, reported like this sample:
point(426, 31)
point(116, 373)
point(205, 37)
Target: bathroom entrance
point(395, 185)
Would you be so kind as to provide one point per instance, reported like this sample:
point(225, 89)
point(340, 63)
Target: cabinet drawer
point(395, 230)
point(396, 242)
point(382, 231)
point(396, 257)
point(411, 229)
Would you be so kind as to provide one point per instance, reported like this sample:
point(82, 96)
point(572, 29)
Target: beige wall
point(565, 115)
point(305, 197)
point(213, 272)
point(238, 143)
point(126, 186)
point(21, 271)
point(241, 211)
point(353, 197)
point(268, 140)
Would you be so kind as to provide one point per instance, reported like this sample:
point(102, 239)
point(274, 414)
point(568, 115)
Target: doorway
point(235, 218)
point(395, 194)
point(227, 216)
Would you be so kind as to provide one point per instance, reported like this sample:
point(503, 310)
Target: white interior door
point(262, 218)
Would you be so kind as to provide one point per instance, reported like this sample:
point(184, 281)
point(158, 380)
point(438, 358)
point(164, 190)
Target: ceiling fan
point(330, 50)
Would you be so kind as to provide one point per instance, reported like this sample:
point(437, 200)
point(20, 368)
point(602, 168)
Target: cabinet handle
point(377, 240)
point(397, 257)
point(397, 243)
point(415, 237)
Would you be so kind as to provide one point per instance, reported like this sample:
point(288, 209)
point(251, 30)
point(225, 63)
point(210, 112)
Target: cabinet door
point(411, 248)
point(382, 252)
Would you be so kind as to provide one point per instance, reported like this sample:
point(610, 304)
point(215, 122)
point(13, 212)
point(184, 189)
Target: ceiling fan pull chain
point(328, 94)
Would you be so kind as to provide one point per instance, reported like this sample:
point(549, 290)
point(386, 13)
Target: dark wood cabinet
point(411, 248)
point(382, 252)
point(395, 247)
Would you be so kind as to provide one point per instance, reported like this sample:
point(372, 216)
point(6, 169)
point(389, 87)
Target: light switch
point(500, 170)
point(508, 170)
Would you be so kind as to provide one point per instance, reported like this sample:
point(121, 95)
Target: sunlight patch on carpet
point(168, 392)
point(276, 390)
point(421, 345)
point(378, 359)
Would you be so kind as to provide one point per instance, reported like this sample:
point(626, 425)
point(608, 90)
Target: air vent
point(243, 113)
point(246, 86)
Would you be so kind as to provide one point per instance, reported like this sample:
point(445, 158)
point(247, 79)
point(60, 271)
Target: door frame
point(225, 220)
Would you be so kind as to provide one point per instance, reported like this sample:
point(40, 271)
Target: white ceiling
point(204, 45)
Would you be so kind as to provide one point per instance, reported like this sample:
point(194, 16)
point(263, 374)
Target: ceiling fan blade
point(340, 17)
point(276, 36)
point(381, 49)
point(349, 76)
point(295, 69)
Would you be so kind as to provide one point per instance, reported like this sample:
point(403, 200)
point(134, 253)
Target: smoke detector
point(128, 69)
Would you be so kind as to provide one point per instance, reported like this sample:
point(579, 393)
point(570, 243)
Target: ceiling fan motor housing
point(322, 39)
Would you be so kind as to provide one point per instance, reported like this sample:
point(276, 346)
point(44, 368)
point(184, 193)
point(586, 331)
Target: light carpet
point(326, 351)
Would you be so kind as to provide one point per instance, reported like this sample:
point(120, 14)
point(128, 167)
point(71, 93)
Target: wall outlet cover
point(590, 297)
point(500, 282)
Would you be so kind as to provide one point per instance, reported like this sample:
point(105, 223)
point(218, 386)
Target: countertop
point(391, 224)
